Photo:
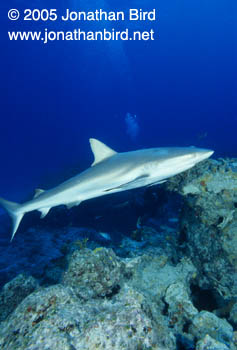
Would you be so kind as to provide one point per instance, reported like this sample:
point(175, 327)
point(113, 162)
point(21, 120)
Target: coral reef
point(209, 223)
point(207, 323)
point(152, 276)
point(151, 309)
point(14, 292)
point(38, 252)
point(168, 286)
point(55, 318)
point(208, 343)
point(93, 273)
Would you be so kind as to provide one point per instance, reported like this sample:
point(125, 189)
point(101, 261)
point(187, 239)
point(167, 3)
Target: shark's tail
point(13, 210)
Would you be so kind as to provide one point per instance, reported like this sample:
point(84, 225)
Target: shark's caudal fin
point(13, 210)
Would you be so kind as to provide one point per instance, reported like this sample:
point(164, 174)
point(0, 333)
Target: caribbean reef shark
point(110, 172)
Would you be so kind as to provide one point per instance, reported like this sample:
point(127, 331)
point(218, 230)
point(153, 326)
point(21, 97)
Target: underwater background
point(181, 87)
point(153, 268)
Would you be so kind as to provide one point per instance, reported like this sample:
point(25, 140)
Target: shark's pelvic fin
point(73, 204)
point(100, 151)
point(38, 191)
point(13, 210)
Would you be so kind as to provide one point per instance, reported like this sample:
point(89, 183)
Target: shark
point(110, 172)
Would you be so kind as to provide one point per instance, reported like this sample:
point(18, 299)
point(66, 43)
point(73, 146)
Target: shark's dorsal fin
point(38, 191)
point(100, 151)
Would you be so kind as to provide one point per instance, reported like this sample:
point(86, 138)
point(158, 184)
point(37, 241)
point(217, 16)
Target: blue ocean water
point(181, 87)
point(176, 90)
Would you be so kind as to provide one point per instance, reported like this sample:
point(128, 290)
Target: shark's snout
point(203, 154)
point(206, 153)
point(209, 153)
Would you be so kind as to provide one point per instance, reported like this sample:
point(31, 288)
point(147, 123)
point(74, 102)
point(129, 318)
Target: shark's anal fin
point(44, 212)
point(38, 192)
point(128, 183)
point(100, 151)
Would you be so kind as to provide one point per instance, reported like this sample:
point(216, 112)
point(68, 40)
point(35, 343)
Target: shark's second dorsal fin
point(38, 191)
point(100, 151)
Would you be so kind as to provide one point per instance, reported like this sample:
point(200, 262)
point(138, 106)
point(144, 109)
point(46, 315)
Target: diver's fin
point(100, 151)
point(38, 191)
point(13, 210)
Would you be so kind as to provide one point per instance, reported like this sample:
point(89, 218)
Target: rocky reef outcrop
point(209, 223)
point(93, 273)
point(170, 288)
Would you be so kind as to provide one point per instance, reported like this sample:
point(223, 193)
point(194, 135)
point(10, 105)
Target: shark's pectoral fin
point(128, 184)
point(38, 191)
point(73, 204)
point(44, 212)
point(157, 183)
point(100, 151)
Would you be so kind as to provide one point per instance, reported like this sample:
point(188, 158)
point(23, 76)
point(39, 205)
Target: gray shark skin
point(110, 172)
